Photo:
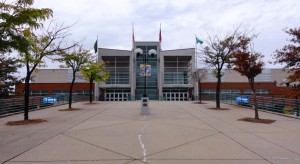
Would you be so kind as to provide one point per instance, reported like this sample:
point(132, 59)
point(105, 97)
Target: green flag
point(198, 41)
point(96, 46)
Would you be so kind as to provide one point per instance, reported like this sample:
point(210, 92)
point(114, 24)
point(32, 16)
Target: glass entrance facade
point(151, 81)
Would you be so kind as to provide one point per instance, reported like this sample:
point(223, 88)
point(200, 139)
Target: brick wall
point(52, 86)
point(270, 86)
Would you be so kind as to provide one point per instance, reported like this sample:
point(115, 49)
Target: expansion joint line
point(140, 136)
point(192, 114)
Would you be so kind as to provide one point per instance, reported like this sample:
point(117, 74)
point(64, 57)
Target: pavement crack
point(227, 135)
point(71, 131)
point(198, 139)
point(140, 136)
point(99, 146)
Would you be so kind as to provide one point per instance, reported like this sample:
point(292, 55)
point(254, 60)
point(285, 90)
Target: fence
point(266, 103)
point(279, 105)
point(15, 105)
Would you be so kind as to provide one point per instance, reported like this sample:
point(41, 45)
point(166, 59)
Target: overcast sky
point(180, 20)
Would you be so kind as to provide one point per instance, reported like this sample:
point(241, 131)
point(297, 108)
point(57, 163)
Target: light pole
point(146, 68)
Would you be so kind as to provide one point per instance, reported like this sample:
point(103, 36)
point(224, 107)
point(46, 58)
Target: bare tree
point(50, 42)
point(75, 59)
point(217, 54)
point(199, 76)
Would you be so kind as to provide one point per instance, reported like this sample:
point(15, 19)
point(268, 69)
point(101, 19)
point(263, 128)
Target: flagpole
point(96, 89)
point(133, 38)
point(160, 37)
point(196, 53)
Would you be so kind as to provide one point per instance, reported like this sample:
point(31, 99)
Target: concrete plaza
point(174, 133)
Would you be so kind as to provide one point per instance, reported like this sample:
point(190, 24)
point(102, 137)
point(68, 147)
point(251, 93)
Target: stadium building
point(160, 74)
point(163, 75)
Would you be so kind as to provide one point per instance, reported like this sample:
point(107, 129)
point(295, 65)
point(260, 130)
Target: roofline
point(53, 68)
point(115, 49)
point(178, 49)
point(146, 41)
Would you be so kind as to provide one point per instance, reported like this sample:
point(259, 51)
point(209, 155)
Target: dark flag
point(96, 46)
point(160, 37)
point(198, 41)
point(133, 39)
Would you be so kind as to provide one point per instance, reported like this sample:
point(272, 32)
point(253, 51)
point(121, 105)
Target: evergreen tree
point(8, 67)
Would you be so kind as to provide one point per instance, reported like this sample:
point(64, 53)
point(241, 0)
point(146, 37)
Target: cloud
point(180, 20)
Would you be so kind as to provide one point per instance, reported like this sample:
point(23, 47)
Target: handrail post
point(0, 106)
point(272, 105)
point(13, 105)
point(297, 107)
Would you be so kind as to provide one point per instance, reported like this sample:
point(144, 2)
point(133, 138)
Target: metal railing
point(16, 105)
point(284, 106)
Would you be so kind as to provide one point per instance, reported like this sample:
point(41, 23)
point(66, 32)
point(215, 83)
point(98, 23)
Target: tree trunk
point(218, 90)
point(255, 105)
point(26, 96)
point(91, 87)
point(71, 89)
point(251, 82)
point(200, 89)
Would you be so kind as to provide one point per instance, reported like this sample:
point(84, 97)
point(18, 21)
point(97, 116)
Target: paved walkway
point(174, 133)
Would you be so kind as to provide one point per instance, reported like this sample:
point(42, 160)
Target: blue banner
point(145, 70)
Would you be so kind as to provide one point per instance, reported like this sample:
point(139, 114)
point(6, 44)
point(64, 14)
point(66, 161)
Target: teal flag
point(96, 46)
point(198, 41)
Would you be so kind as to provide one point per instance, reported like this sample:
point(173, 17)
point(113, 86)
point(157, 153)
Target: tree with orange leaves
point(248, 63)
point(290, 56)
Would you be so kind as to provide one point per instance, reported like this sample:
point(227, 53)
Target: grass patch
point(199, 102)
point(262, 121)
point(69, 109)
point(25, 122)
point(218, 108)
point(93, 103)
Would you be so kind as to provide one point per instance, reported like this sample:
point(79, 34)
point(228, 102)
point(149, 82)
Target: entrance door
point(175, 96)
point(117, 96)
point(181, 97)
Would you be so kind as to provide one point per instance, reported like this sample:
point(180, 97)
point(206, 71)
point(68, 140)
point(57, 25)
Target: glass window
point(263, 91)
point(176, 77)
point(209, 91)
point(35, 92)
point(44, 92)
point(87, 92)
point(230, 91)
point(258, 91)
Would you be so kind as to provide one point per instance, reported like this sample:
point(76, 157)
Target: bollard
point(145, 106)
